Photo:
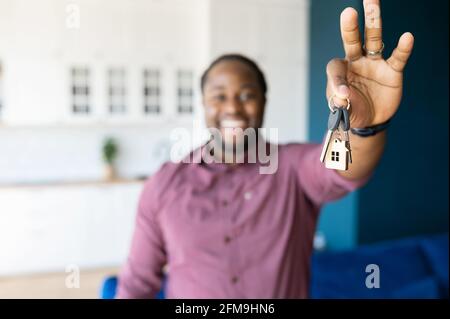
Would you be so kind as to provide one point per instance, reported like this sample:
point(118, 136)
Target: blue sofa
point(415, 267)
point(409, 268)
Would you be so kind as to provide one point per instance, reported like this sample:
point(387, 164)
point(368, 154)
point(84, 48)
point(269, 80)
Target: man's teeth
point(232, 123)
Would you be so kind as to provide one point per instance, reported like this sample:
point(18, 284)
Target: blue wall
point(408, 194)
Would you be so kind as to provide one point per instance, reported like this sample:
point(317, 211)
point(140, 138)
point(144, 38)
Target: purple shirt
point(230, 232)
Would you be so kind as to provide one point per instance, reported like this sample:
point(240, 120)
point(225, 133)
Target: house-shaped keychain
point(337, 155)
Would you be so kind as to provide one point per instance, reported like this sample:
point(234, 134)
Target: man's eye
point(246, 96)
point(219, 98)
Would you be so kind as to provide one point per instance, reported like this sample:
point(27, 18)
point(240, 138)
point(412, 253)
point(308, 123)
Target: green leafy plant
point(110, 150)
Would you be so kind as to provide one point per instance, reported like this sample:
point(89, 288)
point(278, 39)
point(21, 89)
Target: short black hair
point(240, 58)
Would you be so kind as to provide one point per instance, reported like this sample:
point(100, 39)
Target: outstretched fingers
point(373, 29)
point(402, 52)
point(350, 34)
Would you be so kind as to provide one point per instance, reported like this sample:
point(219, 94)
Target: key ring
point(330, 100)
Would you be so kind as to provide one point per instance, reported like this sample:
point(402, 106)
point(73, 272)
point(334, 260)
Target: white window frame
point(117, 91)
point(81, 90)
point(185, 92)
point(152, 92)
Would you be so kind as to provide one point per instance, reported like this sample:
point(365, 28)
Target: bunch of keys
point(336, 150)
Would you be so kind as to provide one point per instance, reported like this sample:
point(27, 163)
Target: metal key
point(334, 119)
point(344, 127)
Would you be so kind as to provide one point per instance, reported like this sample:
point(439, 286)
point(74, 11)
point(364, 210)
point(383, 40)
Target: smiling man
point(226, 231)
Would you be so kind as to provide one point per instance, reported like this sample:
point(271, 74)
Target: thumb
point(337, 81)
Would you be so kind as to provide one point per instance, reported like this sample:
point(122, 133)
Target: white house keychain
point(336, 151)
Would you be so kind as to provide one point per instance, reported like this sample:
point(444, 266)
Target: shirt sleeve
point(319, 183)
point(142, 274)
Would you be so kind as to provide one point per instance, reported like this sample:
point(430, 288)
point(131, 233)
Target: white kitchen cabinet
point(47, 228)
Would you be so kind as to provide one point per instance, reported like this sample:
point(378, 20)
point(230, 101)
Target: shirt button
point(227, 239)
point(234, 279)
point(224, 203)
point(247, 195)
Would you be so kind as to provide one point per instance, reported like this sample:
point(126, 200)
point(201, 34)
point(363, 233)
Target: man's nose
point(233, 106)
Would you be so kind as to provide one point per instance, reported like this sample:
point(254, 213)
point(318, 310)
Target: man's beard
point(236, 149)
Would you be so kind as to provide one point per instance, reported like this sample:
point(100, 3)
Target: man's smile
point(233, 123)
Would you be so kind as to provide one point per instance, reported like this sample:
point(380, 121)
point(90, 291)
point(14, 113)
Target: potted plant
point(110, 151)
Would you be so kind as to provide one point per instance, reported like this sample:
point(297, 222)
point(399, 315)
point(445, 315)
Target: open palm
point(373, 85)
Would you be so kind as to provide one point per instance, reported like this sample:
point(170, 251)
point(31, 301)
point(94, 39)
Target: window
point(116, 90)
point(80, 90)
point(185, 91)
point(152, 91)
point(335, 156)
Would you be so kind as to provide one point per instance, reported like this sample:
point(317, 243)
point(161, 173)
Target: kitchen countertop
point(74, 183)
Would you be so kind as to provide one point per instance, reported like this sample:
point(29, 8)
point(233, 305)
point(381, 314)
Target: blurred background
point(90, 91)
